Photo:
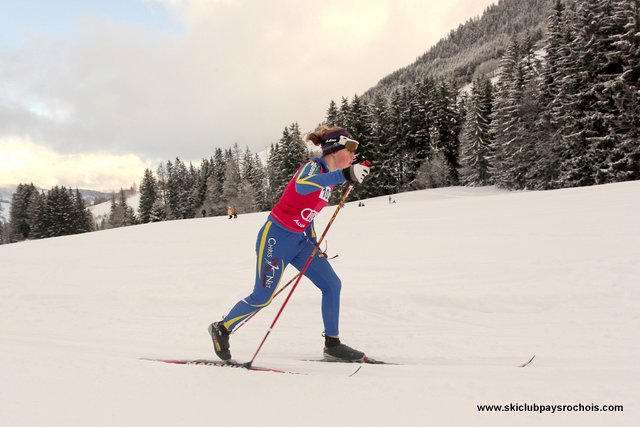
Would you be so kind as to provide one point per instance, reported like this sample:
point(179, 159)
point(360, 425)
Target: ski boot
point(220, 337)
point(335, 351)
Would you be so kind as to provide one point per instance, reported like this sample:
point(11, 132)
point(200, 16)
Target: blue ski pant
point(277, 247)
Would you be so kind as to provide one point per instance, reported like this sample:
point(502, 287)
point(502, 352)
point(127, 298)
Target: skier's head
point(333, 139)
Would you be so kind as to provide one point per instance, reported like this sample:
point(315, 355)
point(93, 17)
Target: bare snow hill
point(458, 285)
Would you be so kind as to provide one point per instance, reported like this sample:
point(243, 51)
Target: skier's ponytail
point(317, 136)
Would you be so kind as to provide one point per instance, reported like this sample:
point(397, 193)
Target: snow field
point(459, 285)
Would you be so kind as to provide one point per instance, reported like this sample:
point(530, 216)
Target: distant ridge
point(474, 48)
point(6, 192)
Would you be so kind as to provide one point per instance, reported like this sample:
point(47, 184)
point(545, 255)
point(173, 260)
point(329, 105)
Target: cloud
point(233, 71)
point(25, 162)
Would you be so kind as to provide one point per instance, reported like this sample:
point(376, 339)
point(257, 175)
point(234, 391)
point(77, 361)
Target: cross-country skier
point(288, 237)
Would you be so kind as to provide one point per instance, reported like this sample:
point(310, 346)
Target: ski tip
point(527, 363)
point(372, 361)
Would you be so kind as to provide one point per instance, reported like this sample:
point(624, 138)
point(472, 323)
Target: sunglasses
point(348, 143)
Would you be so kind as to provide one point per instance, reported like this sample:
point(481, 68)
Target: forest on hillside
point(570, 117)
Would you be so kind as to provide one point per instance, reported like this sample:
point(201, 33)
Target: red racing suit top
point(305, 195)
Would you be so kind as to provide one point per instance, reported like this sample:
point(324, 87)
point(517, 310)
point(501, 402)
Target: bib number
point(325, 194)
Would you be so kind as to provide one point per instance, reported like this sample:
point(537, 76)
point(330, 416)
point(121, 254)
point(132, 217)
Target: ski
point(526, 363)
point(364, 360)
point(220, 363)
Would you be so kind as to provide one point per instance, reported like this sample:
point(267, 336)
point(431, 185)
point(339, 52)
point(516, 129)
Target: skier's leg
point(325, 278)
point(275, 247)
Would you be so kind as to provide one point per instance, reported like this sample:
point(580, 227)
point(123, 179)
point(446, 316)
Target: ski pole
point(306, 265)
point(256, 312)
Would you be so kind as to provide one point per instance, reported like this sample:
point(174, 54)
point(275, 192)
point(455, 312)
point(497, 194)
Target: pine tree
point(344, 113)
point(332, 118)
point(148, 196)
point(158, 212)
point(447, 125)
point(172, 191)
point(162, 192)
point(232, 181)
point(506, 116)
point(476, 138)
point(82, 217)
point(180, 185)
point(380, 148)
point(253, 173)
point(625, 163)
point(616, 149)
point(20, 222)
point(294, 151)
point(285, 157)
point(545, 169)
point(2, 228)
point(37, 212)
point(121, 214)
point(60, 212)
point(199, 190)
point(574, 99)
point(527, 157)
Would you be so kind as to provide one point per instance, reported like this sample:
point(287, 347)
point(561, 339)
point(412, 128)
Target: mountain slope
point(459, 285)
point(474, 48)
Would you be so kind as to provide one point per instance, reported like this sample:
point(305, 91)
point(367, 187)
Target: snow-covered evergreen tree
point(232, 178)
point(37, 212)
point(476, 138)
point(285, 158)
point(82, 217)
point(254, 174)
point(332, 118)
point(121, 214)
point(60, 212)
point(447, 123)
point(614, 146)
point(380, 148)
point(506, 116)
point(19, 219)
point(148, 196)
point(213, 202)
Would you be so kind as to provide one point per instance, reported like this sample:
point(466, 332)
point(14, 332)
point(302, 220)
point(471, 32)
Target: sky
point(94, 92)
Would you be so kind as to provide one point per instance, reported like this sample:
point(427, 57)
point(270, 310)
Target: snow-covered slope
point(102, 210)
point(458, 285)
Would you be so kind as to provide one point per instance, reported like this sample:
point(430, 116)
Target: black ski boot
point(335, 351)
point(220, 336)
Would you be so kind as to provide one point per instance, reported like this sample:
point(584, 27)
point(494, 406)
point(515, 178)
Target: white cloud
point(24, 161)
point(236, 71)
point(352, 24)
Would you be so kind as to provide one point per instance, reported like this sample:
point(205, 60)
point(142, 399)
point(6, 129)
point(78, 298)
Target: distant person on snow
point(230, 212)
point(234, 211)
point(288, 237)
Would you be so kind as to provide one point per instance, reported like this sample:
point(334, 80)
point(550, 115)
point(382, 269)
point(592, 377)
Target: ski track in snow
point(458, 285)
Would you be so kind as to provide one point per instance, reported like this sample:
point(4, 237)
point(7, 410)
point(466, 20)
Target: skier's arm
point(309, 179)
point(310, 232)
point(312, 236)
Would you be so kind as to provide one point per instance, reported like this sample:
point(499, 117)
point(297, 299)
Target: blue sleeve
point(310, 178)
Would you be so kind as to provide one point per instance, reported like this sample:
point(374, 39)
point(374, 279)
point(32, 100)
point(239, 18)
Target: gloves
point(357, 172)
